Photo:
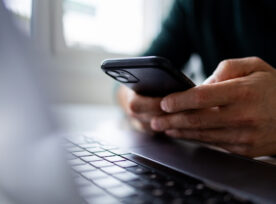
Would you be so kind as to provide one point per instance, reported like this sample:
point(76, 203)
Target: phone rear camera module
point(113, 73)
point(122, 79)
point(129, 76)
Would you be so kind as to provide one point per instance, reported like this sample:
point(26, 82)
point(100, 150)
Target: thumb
point(234, 68)
point(210, 80)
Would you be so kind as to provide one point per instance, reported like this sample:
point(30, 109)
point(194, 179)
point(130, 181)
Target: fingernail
point(155, 124)
point(164, 106)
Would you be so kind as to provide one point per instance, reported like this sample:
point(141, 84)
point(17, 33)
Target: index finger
point(142, 104)
point(204, 96)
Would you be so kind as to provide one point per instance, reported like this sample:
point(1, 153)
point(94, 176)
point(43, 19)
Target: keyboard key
point(197, 199)
point(173, 185)
point(90, 145)
point(83, 168)
point(126, 176)
point(109, 147)
point(207, 193)
point(122, 191)
point(157, 192)
point(120, 151)
point(121, 177)
point(82, 154)
point(95, 149)
point(102, 200)
point(115, 159)
point(107, 182)
point(97, 174)
point(144, 185)
point(91, 158)
point(139, 199)
point(91, 191)
point(139, 183)
point(178, 201)
point(200, 186)
point(75, 162)
point(126, 164)
point(101, 164)
point(188, 192)
point(153, 176)
point(170, 183)
point(156, 178)
point(138, 170)
point(175, 192)
point(104, 154)
point(113, 169)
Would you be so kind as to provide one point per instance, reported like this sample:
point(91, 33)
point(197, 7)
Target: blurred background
point(79, 34)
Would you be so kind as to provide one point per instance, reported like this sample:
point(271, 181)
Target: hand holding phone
point(149, 78)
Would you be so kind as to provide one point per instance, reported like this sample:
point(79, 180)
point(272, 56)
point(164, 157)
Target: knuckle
point(250, 120)
point(226, 64)
point(146, 118)
point(194, 121)
point(256, 60)
point(254, 122)
point(165, 122)
point(200, 97)
point(247, 92)
point(134, 106)
point(235, 121)
point(248, 140)
point(132, 114)
point(241, 121)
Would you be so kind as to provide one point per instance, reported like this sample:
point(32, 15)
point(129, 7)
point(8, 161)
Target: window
point(115, 26)
point(23, 11)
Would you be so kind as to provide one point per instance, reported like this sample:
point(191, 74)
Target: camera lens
point(130, 77)
point(122, 79)
point(125, 74)
point(113, 73)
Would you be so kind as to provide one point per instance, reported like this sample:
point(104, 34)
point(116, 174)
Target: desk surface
point(87, 118)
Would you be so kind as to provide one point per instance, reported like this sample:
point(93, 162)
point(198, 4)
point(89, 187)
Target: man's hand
point(235, 109)
point(140, 109)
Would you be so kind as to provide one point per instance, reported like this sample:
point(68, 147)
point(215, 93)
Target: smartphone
point(148, 76)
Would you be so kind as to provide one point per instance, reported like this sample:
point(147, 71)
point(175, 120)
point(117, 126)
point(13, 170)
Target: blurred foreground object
point(32, 168)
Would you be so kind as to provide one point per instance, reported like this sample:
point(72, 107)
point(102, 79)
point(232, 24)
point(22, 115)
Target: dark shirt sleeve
point(173, 42)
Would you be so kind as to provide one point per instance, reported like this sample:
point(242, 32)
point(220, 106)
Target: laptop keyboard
point(106, 174)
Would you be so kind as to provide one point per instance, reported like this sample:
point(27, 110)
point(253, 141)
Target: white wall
point(77, 71)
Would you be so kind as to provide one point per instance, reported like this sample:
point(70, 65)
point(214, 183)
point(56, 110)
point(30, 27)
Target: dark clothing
point(218, 30)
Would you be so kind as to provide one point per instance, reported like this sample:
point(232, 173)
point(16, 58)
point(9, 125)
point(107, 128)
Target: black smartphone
point(148, 76)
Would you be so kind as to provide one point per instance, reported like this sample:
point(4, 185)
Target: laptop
point(40, 165)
